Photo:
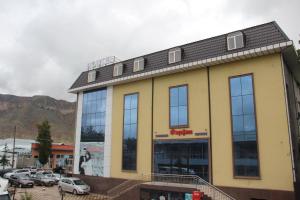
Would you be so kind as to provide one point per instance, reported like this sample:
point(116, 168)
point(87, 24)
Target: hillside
point(27, 112)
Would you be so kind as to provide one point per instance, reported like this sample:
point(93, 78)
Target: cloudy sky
point(46, 44)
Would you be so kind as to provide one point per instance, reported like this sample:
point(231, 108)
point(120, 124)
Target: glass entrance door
point(181, 157)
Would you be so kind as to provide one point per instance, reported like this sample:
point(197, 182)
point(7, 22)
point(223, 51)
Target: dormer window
point(235, 40)
point(91, 76)
point(138, 64)
point(118, 69)
point(174, 55)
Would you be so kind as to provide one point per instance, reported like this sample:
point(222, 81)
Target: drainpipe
point(152, 148)
point(210, 129)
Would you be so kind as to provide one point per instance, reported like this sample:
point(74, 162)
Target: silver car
point(74, 185)
point(17, 172)
point(55, 177)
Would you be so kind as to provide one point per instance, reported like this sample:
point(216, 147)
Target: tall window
point(179, 106)
point(244, 134)
point(93, 116)
point(130, 132)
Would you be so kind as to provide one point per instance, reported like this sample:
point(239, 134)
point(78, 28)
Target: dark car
point(21, 181)
point(41, 179)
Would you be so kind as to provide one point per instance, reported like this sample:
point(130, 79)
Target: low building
point(224, 109)
point(61, 155)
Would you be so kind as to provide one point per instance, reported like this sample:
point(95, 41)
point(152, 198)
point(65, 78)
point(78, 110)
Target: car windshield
point(78, 182)
point(4, 197)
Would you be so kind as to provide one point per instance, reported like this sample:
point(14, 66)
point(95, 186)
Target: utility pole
point(14, 144)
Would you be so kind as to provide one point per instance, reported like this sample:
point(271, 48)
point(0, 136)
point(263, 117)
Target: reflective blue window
point(244, 126)
point(178, 106)
point(93, 116)
point(130, 132)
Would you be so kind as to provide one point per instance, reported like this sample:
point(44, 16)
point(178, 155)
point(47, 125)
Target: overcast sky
point(45, 45)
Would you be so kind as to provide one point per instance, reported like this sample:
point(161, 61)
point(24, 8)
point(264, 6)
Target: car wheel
point(74, 192)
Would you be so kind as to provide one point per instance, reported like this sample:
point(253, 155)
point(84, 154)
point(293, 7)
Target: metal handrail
point(198, 182)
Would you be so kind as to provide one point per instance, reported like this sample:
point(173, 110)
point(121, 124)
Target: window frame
point(231, 123)
point(119, 69)
point(173, 51)
point(92, 75)
point(187, 104)
point(137, 128)
point(138, 61)
point(234, 35)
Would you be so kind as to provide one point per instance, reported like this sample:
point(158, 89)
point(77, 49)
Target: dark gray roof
point(257, 36)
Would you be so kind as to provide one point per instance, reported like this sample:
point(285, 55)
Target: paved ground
point(52, 193)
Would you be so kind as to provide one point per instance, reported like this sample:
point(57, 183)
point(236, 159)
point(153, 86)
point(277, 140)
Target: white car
point(17, 172)
point(3, 189)
point(74, 185)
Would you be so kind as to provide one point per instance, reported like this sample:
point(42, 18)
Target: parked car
point(32, 170)
point(55, 177)
point(3, 185)
point(4, 171)
point(41, 179)
point(44, 172)
point(4, 195)
point(17, 172)
point(21, 181)
point(74, 185)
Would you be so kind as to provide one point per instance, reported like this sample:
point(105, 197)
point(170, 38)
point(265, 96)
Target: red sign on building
point(181, 132)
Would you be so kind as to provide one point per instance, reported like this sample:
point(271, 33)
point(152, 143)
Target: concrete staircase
point(190, 182)
point(119, 190)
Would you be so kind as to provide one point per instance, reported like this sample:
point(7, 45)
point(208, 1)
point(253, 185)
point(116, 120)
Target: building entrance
point(185, 157)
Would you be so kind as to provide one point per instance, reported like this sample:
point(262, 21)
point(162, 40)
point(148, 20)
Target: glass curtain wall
point(93, 116)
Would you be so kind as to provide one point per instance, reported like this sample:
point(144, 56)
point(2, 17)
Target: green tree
point(45, 141)
point(4, 161)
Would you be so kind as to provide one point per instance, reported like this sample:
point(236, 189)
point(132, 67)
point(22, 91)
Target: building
point(61, 155)
point(224, 108)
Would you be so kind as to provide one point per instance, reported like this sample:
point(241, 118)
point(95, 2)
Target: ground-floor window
point(181, 157)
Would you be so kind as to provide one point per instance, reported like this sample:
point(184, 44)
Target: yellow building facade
point(229, 118)
point(273, 137)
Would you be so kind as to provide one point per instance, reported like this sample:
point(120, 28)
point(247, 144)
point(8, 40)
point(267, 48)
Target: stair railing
point(197, 182)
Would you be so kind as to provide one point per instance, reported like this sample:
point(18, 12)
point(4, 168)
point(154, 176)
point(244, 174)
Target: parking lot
point(52, 193)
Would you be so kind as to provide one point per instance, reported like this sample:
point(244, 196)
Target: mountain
point(27, 112)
